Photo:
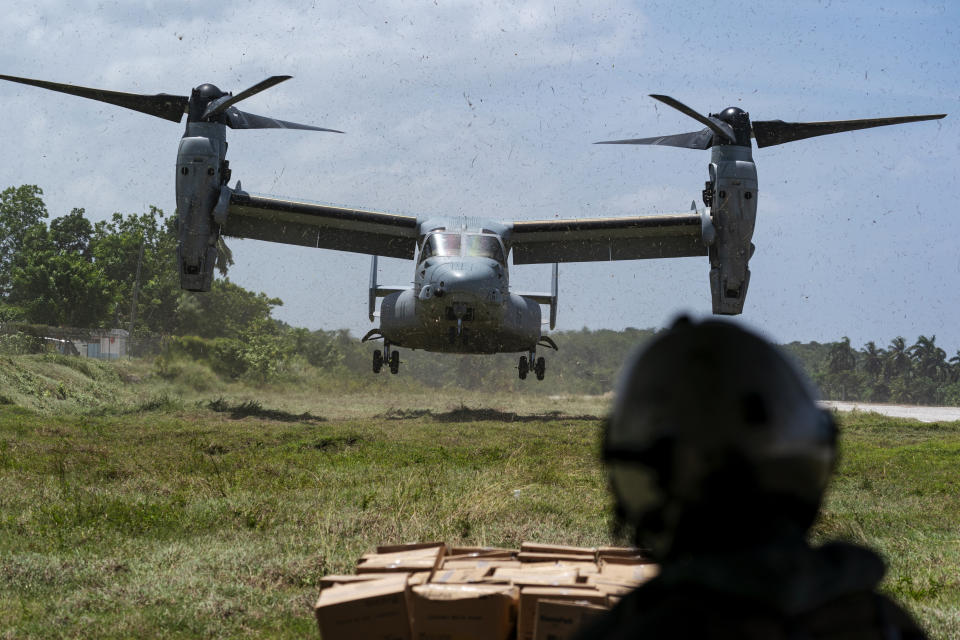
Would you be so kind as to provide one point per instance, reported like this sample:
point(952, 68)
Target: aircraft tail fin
point(549, 299)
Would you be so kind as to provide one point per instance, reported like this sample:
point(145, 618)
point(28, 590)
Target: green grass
point(198, 525)
point(154, 508)
point(898, 490)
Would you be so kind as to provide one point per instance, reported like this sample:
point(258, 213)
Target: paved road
point(923, 414)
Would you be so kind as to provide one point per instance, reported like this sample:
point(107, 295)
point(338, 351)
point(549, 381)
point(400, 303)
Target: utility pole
point(136, 290)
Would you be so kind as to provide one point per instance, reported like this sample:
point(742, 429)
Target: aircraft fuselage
point(461, 300)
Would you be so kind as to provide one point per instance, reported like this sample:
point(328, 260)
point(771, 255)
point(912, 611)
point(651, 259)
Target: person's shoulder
point(868, 614)
point(655, 611)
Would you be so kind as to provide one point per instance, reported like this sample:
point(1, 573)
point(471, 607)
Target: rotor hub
point(200, 97)
point(208, 92)
point(739, 121)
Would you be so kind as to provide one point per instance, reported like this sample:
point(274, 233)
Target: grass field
point(131, 506)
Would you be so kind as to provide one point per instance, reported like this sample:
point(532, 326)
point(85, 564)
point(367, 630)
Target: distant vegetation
point(75, 273)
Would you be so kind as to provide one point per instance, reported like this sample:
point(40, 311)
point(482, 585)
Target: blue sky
point(490, 109)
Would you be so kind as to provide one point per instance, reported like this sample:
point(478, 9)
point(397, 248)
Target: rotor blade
point(237, 119)
point(702, 139)
point(771, 132)
point(222, 104)
point(160, 105)
point(717, 126)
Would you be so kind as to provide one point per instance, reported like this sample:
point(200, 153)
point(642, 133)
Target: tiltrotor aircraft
point(461, 300)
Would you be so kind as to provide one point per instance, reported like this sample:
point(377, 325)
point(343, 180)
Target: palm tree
point(842, 357)
point(955, 367)
point(873, 359)
point(898, 359)
point(930, 361)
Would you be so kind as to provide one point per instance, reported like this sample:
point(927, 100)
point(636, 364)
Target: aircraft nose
point(464, 281)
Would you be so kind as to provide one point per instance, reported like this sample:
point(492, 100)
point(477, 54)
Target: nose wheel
point(539, 366)
point(387, 356)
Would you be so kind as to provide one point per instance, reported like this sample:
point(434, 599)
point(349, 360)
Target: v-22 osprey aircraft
point(461, 301)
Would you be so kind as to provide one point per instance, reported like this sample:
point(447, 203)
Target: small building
point(104, 344)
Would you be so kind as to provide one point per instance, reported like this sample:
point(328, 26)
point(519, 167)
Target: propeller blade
point(702, 139)
point(771, 132)
point(161, 105)
point(719, 127)
point(237, 119)
point(222, 104)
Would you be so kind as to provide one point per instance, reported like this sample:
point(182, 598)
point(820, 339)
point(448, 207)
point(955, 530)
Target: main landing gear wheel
point(523, 368)
point(540, 368)
point(377, 361)
point(395, 362)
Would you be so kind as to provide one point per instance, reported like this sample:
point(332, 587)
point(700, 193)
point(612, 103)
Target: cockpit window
point(483, 247)
point(441, 244)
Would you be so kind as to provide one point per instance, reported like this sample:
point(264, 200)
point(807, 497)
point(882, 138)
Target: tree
point(873, 359)
point(21, 208)
point(955, 367)
point(842, 357)
point(226, 311)
point(59, 287)
point(898, 358)
point(71, 233)
point(841, 364)
point(929, 360)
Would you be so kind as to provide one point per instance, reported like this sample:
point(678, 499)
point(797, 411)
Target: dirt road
point(923, 414)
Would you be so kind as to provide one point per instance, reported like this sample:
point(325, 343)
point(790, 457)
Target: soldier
point(718, 458)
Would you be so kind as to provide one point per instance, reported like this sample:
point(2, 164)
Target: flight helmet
point(715, 441)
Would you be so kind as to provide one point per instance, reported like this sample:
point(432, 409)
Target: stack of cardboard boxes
point(432, 591)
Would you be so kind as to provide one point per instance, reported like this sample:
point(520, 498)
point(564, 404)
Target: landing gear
point(539, 366)
point(394, 362)
point(388, 357)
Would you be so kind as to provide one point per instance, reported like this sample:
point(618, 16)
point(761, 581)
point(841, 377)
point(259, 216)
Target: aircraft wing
point(601, 239)
point(322, 226)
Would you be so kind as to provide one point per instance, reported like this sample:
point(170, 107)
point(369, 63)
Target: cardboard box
point(463, 612)
point(625, 560)
point(612, 588)
point(481, 552)
point(537, 547)
point(632, 574)
point(583, 568)
point(530, 556)
point(460, 576)
point(412, 546)
point(410, 561)
point(523, 577)
point(560, 620)
point(376, 609)
point(451, 562)
point(332, 580)
point(529, 596)
point(628, 552)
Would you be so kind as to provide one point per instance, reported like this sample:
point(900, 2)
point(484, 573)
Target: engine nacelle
point(734, 212)
point(200, 186)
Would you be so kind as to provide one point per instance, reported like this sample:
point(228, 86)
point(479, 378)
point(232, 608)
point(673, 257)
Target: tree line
point(76, 273)
point(918, 373)
point(71, 272)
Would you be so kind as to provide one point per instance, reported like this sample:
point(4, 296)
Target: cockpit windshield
point(441, 244)
point(483, 247)
point(448, 245)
